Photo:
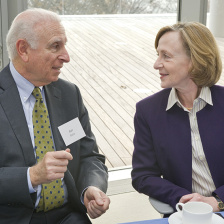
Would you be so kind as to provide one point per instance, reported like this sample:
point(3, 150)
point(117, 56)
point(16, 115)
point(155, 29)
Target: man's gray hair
point(26, 26)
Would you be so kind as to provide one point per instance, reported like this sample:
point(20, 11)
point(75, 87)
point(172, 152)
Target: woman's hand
point(197, 197)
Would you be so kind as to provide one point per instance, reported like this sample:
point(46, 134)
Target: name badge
point(71, 131)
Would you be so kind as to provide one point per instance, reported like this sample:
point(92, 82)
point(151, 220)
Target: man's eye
point(55, 46)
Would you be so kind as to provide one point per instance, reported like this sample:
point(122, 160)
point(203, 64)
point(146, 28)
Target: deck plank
point(111, 58)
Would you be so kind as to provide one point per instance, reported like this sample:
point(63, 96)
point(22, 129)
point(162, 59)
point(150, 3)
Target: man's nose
point(65, 56)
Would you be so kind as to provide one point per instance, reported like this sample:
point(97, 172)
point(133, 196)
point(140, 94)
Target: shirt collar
point(25, 87)
point(205, 95)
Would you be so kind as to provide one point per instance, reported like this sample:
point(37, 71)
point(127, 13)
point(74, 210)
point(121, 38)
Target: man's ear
point(22, 49)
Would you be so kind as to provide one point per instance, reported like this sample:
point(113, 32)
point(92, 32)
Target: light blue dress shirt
point(25, 89)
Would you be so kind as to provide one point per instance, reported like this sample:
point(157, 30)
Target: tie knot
point(36, 93)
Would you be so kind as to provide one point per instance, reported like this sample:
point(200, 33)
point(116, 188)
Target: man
point(36, 46)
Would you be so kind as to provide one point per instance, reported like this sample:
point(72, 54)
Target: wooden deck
point(112, 63)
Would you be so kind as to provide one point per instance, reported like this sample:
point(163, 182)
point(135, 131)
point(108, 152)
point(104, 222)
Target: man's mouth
point(57, 68)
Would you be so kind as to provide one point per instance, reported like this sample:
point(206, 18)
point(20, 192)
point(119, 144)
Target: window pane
point(99, 7)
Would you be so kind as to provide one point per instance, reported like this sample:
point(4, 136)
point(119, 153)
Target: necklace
point(189, 108)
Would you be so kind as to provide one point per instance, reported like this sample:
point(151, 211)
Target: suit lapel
point(11, 103)
point(57, 118)
point(54, 105)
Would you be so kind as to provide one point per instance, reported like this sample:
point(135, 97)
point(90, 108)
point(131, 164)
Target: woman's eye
point(166, 56)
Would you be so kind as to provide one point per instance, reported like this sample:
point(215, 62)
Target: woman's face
point(173, 63)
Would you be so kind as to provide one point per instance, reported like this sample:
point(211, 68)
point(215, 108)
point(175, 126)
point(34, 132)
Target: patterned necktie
point(52, 194)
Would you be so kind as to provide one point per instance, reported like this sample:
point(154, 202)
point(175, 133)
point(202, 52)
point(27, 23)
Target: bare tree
point(86, 7)
point(149, 6)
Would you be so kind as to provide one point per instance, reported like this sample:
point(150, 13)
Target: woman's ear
point(22, 49)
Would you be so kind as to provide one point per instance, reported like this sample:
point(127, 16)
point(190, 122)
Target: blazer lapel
point(11, 103)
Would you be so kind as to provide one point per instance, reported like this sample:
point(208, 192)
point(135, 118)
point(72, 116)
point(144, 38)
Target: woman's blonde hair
point(201, 47)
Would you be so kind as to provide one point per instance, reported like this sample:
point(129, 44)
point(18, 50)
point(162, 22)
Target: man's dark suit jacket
point(17, 154)
point(163, 146)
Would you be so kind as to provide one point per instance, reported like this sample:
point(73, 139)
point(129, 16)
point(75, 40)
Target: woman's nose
point(157, 64)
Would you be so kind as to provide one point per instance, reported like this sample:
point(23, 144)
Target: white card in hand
point(71, 131)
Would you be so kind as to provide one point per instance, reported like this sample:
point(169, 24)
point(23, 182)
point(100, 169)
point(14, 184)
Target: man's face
point(45, 62)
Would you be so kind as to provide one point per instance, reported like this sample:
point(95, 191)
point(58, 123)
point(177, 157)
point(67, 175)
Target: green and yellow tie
point(52, 194)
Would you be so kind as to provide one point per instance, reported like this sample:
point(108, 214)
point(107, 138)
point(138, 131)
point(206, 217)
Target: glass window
point(101, 7)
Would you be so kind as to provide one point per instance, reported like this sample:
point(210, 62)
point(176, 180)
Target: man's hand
point(197, 197)
point(96, 202)
point(51, 167)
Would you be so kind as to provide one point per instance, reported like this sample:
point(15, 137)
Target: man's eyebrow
point(58, 40)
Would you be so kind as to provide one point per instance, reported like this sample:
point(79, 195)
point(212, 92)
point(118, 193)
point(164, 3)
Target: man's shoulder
point(65, 86)
point(5, 70)
point(63, 89)
point(62, 82)
point(6, 79)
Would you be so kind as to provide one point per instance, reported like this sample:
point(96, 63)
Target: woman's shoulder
point(217, 90)
point(217, 87)
point(154, 103)
point(156, 97)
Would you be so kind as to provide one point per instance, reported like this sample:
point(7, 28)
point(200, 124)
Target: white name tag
point(71, 131)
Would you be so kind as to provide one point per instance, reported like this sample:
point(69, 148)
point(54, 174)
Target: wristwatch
point(220, 203)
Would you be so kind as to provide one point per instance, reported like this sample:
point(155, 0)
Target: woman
point(179, 131)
